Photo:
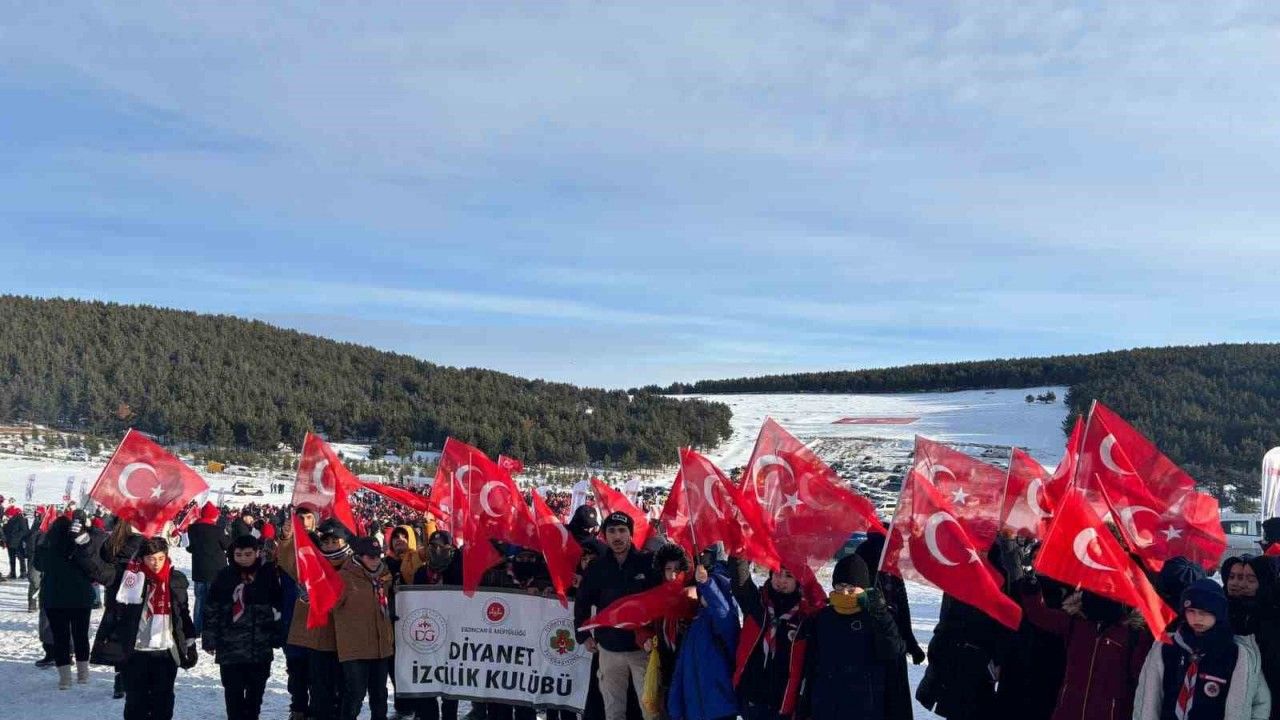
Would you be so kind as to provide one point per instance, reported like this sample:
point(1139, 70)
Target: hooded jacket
point(702, 684)
point(1247, 695)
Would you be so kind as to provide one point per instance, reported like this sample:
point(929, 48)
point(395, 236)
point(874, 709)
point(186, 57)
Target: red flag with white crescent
point(1065, 473)
point(145, 485)
point(612, 501)
point(929, 544)
point(510, 464)
point(668, 600)
point(448, 491)
point(717, 513)
point(317, 577)
point(1156, 504)
point(1080, 551)
point(324, 483)
point(559, 548)
point(674, 519)
point(805, 506)
point(409, 499)
point(973, 488)
point(1027, 507)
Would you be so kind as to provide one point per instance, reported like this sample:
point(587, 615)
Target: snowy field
point(975, 418)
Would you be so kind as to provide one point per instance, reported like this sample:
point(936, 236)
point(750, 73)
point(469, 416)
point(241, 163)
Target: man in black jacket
point(208, 545)
point(242, 627)
point(15, 538)
point(624, 571)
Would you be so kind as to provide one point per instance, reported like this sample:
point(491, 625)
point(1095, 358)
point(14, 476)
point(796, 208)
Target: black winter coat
point(847, 662)
point(118, 632)
point(252, 638)
point(69, 570)
point(15, 535)
point(606, 581)
point(208, 547)
point(958, 684)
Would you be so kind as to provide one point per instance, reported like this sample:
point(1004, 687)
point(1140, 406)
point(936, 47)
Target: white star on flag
point(958, 497)
point(1171, 533)
point(973, 556)
point(156, 492)
point(792, 502)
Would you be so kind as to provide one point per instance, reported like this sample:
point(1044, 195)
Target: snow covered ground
point(867, 454)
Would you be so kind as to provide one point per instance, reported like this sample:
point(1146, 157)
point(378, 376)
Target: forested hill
point(1215, 409)
point(226, 381)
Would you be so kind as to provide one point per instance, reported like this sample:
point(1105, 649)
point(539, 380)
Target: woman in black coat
point(121, 547)
point(69, 568)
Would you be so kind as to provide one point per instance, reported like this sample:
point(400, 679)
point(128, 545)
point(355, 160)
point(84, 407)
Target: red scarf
point(158, 596)
point(772, 621)
point(237, 595)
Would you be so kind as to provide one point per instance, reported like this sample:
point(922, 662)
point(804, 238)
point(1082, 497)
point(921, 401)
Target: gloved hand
point(917, 655)
point(76, 527)
point(82, 538)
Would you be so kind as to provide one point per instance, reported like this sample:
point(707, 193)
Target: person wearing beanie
point(1206, 672)
point(323, 674)
point(769, 662)
point(623, 571)
point(208, 544)
point(363, 630)
point(701, 686)
point(1176, 575)
point(241, 630)
point(851, 644)
point(15, 540)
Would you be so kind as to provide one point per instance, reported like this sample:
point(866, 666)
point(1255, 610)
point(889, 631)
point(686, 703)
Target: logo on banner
point(558, 644)
point(495, 611)
point(425, 630)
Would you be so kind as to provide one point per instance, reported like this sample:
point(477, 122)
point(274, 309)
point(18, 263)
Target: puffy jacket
point(1248, 697)
point(252, 638)
point(1103, 662)
point(361, 623)
point(118, 632)
point(702, 684)
point(957, 683)
point(69, 570)
point(847, 659)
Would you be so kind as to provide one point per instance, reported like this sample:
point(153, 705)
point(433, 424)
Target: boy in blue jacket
point(702, 687)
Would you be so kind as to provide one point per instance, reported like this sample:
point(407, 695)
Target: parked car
point(245, 487)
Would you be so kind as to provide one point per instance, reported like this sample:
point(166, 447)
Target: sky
point(616, 194)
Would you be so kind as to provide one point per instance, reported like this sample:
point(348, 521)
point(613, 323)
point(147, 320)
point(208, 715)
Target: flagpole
point(1004, 496)
point(693, 533)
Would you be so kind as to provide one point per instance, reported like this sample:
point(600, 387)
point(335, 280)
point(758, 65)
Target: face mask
point(439, 558)
point(843, 603)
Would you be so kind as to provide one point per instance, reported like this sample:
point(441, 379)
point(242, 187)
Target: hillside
point(1215, 409)
point(225, 381)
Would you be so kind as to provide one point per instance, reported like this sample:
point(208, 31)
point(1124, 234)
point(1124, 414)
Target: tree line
point(229, 382)
point(1213, 409)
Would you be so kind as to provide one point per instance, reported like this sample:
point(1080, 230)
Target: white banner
point(31, 488)
point(499, 646)
point(66, 493)
point(1270, 506)
point(579, 496)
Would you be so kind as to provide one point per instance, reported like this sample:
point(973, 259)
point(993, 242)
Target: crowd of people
point(761, 650)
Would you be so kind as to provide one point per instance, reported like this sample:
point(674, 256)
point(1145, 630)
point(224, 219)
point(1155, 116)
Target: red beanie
point(209, 513)
point(13, 510)
point(268, 531)
point(98, 523)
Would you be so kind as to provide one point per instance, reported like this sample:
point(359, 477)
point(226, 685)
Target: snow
point(972, 419)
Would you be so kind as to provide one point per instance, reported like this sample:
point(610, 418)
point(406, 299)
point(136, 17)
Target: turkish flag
point(1156, 506)
point(409, 499)
point(510, 464)
point(668, 600)
point(674, 519)
point(495, 509)
point(50, 513)
point(717, 513)
point(447, 490)
point(1080, 551)
point(1065, 473)
point(612, 501)
point(974, 489)
point(324, 483)
point(928, 543)
point(804, 506)
point(559, 548)
point(316, 576)
point(145, 485)
point(1027, 508)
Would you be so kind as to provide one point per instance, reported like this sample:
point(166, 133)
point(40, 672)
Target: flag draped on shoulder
point(559, 548)
point(928, 543)
point(317, 577)
point(717, 512)
point(974, 489)
point(146, 485)
point(1080, 551)
point(612, 501)
point(324, 483)
point(1155, 503)
point(802, 503)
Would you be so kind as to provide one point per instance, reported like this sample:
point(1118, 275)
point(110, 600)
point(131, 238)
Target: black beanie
point(851, 570)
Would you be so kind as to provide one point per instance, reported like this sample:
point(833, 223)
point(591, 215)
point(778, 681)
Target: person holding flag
point(769, 661)
point(701, 686)
point(324, 675)
point(1206, 672)
point(624, 571)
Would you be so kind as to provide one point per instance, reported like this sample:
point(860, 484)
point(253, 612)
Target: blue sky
point(617, 194)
